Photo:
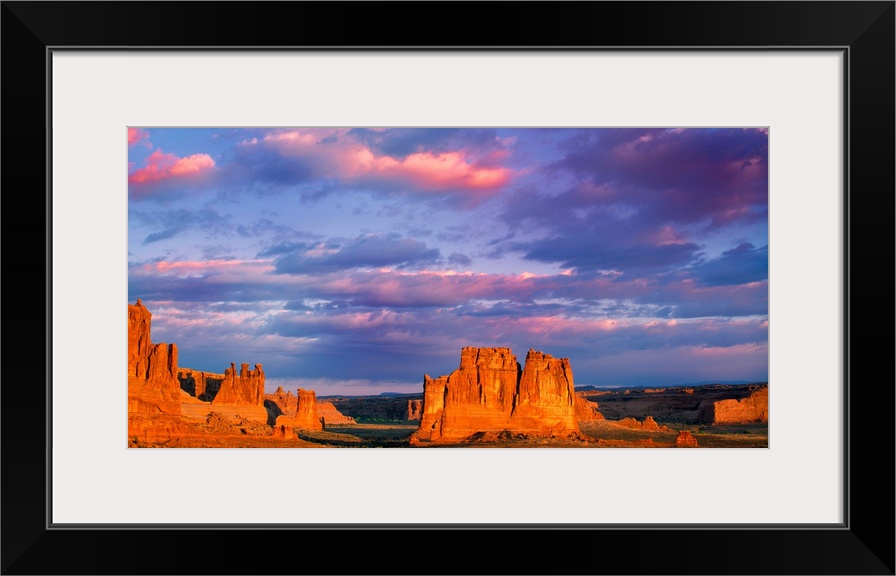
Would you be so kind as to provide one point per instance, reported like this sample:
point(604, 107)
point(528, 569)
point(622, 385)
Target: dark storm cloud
point(689, 175)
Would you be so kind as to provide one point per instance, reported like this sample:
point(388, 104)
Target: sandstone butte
point(753, 408)
point(305, 417)
point(153, 389)
point(489, 392)
point(243, 389)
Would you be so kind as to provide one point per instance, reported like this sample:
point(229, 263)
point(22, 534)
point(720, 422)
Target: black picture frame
point(864, 544)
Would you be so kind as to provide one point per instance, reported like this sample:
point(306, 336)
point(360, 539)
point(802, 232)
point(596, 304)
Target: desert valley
point(490, 400)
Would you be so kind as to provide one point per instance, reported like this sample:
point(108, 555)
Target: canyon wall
point(752, 408)
point(489, 392)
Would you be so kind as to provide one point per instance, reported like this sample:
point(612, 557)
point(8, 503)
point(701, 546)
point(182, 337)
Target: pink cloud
point(138, 136)
point(161, 166)
point(336, 155)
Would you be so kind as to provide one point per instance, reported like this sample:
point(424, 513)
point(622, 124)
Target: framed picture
point(818, 75)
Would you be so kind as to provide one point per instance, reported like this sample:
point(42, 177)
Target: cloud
point(138, 136)
point(171, 223)
point(459, 259)
point(372, 250)
point(163, 167)
point(740, 265)
point(343, 156)
point(681, 175)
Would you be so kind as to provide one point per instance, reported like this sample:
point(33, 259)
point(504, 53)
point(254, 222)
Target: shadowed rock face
point(489, 392)
point(153, 387)
point(201, 385)
point(753, 408)
point(243, 389)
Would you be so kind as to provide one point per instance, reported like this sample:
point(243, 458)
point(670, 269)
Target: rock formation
point(586, 410)
point(753, 408)
point(415, 409)
point(685, 440)
point(201, 385)
point(490, 393)
point(306, 416)
point(330, 415)
point(153, 387)
point(282, 402)
point(243, 389)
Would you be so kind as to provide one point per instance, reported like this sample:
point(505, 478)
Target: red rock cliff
point(753, 408)
point(153, 387)
point(489, 392)
point(243, 389)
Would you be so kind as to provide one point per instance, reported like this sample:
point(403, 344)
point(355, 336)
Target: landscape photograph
point(482, 287)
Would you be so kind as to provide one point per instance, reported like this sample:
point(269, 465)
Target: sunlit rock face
point(243, 389)
point(490, 392)
point(153, 387)
point(753, 408)
point(586, 410)
point(306, 416)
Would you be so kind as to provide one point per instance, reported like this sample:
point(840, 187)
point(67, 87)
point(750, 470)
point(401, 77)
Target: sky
point(356, 260)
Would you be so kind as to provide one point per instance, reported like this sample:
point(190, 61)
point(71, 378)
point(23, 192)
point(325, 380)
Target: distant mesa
point(752, 408)
point(490, 393)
